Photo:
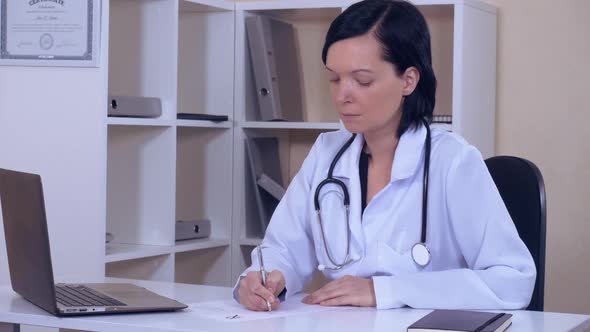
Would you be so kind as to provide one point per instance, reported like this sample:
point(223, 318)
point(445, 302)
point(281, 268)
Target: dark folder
point(265, 176)
point(462, 321)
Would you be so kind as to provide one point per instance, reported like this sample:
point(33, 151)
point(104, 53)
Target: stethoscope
point(420, 252)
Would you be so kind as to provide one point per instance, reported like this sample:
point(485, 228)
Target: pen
point(262, 272)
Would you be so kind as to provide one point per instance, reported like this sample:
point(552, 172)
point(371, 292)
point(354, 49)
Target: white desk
point(15, 310)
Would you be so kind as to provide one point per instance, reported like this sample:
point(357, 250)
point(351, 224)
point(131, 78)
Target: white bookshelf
point(194, 56)
point(166, 169)
point(117, 252)
point(198, 244)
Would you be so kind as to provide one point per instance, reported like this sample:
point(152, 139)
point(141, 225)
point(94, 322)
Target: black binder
point(265, 178)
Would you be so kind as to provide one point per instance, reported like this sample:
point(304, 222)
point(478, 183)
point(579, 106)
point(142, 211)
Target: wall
point(542, 114)
point(52, 122)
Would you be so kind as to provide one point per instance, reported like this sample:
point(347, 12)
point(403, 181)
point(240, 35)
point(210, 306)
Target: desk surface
point(15, 309)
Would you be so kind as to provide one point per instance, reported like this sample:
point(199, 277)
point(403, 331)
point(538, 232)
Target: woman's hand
point(253, 295)
point(347, 290)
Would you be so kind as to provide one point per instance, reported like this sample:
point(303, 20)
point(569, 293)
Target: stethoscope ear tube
point(425, 183)
point(420, 252)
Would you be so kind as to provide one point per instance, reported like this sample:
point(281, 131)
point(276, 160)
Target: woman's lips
point(350, 116)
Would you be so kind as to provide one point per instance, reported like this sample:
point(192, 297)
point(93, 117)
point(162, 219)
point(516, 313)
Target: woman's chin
point(353, 127)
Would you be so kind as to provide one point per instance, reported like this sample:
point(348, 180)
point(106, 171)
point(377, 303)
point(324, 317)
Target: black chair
point(521, 186)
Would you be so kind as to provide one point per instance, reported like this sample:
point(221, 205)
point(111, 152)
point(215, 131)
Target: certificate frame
point(87, 42)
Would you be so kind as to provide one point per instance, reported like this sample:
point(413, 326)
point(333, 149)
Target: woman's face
point(365, 89)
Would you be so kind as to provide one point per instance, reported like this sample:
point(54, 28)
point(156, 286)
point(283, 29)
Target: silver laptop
point(29, 260)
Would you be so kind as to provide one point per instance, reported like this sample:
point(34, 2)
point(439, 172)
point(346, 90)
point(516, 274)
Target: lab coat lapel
point(408, 154)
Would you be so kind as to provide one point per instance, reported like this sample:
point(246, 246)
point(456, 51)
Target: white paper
point(231, 311)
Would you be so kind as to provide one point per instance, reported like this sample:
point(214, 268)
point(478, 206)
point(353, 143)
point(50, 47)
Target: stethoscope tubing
point(346, 203)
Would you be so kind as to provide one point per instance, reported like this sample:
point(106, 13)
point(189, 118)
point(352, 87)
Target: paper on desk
point(232, 311)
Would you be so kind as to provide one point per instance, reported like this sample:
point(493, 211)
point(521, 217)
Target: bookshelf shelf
point(116, 252)
point(203, 124)
point(112, 121)
point(291, 125)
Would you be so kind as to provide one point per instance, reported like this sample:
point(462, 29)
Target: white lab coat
point(478, 259)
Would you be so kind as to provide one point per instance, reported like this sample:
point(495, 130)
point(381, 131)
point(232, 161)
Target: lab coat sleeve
point(501, 272)
point(287, 245)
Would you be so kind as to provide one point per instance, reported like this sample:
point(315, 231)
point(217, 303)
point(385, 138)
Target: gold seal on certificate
point(46, 41)
point(49, 32)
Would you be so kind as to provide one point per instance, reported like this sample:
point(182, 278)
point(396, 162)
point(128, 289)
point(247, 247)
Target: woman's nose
point(343, 92)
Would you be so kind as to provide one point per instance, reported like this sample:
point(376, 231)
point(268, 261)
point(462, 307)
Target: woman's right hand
point(253, 295)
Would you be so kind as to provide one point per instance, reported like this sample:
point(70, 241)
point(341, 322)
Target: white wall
point(53, 122)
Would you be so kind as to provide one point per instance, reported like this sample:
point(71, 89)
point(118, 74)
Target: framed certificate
point(50, 32)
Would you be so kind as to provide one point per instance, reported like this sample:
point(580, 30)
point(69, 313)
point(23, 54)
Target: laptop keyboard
point(82, 296)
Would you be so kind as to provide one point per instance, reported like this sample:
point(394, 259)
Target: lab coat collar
point(408, 154)
point(406, 159)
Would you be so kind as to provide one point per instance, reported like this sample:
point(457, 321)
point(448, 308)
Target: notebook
point(29, 260)
point(462, 321)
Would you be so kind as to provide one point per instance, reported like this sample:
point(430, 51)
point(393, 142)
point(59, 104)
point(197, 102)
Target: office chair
point(521, 186)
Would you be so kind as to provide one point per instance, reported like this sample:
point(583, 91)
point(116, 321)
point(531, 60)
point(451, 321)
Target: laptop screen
point(27, 239)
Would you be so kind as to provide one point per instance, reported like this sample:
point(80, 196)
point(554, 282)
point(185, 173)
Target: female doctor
point(393, 213)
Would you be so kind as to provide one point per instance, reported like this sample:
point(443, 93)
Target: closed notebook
point(462, 321)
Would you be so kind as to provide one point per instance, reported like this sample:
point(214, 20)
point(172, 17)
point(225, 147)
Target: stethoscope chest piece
point(421, 254)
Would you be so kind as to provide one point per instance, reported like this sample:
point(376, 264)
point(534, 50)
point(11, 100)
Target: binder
point(265, 178)
point(271, 186)
point(275, 64)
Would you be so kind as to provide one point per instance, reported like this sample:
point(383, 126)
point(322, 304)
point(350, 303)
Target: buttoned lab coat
point(478, 260)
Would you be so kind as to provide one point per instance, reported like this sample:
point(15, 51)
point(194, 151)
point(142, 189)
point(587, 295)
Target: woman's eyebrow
point(362, 70)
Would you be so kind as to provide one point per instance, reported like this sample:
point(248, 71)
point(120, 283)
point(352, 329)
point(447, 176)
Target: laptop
point(29, 260)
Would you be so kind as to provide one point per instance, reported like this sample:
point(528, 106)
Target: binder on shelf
point(275, 65)
point(442, 118)
point(265, 177)
point(271, 186)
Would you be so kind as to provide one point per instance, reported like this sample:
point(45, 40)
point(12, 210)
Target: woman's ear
point(411, 77)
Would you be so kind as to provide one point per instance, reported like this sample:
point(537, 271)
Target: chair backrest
point(521, 186)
